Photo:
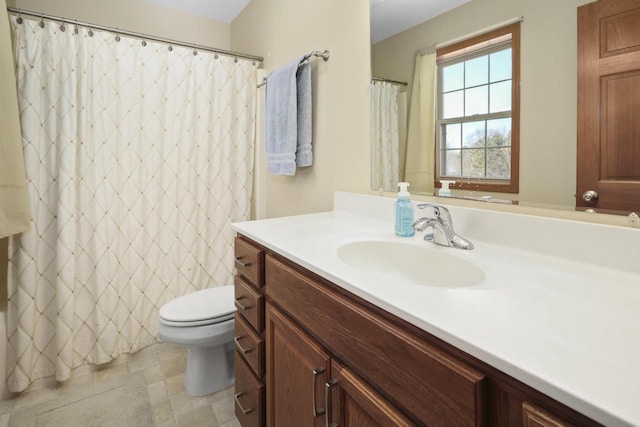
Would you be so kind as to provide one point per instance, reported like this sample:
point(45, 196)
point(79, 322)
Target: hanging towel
point(288, 116)
point(304, 156)
point(14, 198)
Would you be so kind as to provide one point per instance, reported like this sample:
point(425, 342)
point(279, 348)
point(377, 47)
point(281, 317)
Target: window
point(477, 129)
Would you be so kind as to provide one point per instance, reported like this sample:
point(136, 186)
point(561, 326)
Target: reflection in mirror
point(388, 129)
point(548, 85)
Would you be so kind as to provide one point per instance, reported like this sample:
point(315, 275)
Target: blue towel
point(304, 156)
point(288, 116)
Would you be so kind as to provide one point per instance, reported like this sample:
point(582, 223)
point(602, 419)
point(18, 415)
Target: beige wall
point(137, 16)
point(548, 91)
point(280, 30)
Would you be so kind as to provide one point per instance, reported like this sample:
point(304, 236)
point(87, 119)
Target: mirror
point(548, 70)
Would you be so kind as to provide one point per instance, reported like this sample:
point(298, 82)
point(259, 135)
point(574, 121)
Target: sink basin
point(411, 263)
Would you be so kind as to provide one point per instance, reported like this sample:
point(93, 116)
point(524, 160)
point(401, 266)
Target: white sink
point(420, 265)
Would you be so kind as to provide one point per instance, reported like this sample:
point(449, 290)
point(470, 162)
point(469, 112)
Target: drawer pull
point(239, 347)
point(240, 305)
point(242, 263)
point(316, 411)
point(237, 397)
point(327, 399)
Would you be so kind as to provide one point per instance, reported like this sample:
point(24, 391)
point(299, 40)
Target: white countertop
point(568, 328)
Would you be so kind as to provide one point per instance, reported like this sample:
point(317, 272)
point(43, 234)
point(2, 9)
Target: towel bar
point(307, 58)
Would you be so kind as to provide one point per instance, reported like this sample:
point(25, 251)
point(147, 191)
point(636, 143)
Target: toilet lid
point(207, 306)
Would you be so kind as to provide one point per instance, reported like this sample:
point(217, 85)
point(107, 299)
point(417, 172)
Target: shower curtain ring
point(41, 22)
point(19, 18)
point(62, 27)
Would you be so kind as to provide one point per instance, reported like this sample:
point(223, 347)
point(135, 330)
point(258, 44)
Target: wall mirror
point(548, 91)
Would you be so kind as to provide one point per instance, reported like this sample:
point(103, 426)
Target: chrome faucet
point(442, 227)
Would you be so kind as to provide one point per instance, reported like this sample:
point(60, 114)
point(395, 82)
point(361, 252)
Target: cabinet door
point(297, 370)
point(354, 403)
point(533, 416)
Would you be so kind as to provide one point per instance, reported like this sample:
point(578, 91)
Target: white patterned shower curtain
point(138, 158)
point(385, 137)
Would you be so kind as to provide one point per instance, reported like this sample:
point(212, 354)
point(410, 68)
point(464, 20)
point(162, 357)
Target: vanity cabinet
point(334, 359)
point(305, 384)
point(249, 334)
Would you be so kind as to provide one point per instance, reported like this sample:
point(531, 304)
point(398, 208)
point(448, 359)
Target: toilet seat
point(205, 307)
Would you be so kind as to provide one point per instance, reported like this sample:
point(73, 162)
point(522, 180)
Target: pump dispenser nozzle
point(403, 189)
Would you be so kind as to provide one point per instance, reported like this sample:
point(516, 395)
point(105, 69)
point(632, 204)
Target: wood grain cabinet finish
point(297, 370)
point(250, 345)
point(354, 403)
point(427, 383)
point(249, 395)
point(249, 261)
point(249, 303)
point(532, 416)
point(248, 336)
point(333, 359)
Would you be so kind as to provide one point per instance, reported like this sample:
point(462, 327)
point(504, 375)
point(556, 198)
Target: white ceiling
point(388, 17)
point(219, 10)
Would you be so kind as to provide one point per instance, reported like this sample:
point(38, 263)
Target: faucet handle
point(439, 211)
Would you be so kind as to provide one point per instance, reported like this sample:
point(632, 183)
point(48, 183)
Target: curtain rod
point(134, 34)
point(381, 79)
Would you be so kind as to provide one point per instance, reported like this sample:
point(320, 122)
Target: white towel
point(14, 198)
point(288, 117)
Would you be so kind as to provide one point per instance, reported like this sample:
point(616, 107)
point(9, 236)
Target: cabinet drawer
point(435, 388)
point(249, 262)
point(250, 304)
point(250, 345)
point(249, 395)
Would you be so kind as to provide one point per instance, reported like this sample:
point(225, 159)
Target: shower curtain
point(138, 157)
point(420, 158)
point(385, 137)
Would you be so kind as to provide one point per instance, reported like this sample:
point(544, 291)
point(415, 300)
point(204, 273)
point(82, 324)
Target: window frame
point(475, 46)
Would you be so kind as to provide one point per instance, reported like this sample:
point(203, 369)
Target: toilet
point(202, 321)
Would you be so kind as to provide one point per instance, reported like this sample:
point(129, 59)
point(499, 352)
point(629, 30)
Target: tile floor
point(163, 367)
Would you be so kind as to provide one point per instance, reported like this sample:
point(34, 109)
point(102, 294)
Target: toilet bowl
point(202, 321)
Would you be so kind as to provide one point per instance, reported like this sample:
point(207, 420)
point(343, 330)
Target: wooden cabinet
point(427, 383)
point(533, 416)
point(297, 369)
point(304, 382)
point(354, 403)
point(248, 336)
point(333, 359)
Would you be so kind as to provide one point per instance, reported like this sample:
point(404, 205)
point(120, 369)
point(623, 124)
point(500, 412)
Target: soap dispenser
point(444, 189)
point(404, 212)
